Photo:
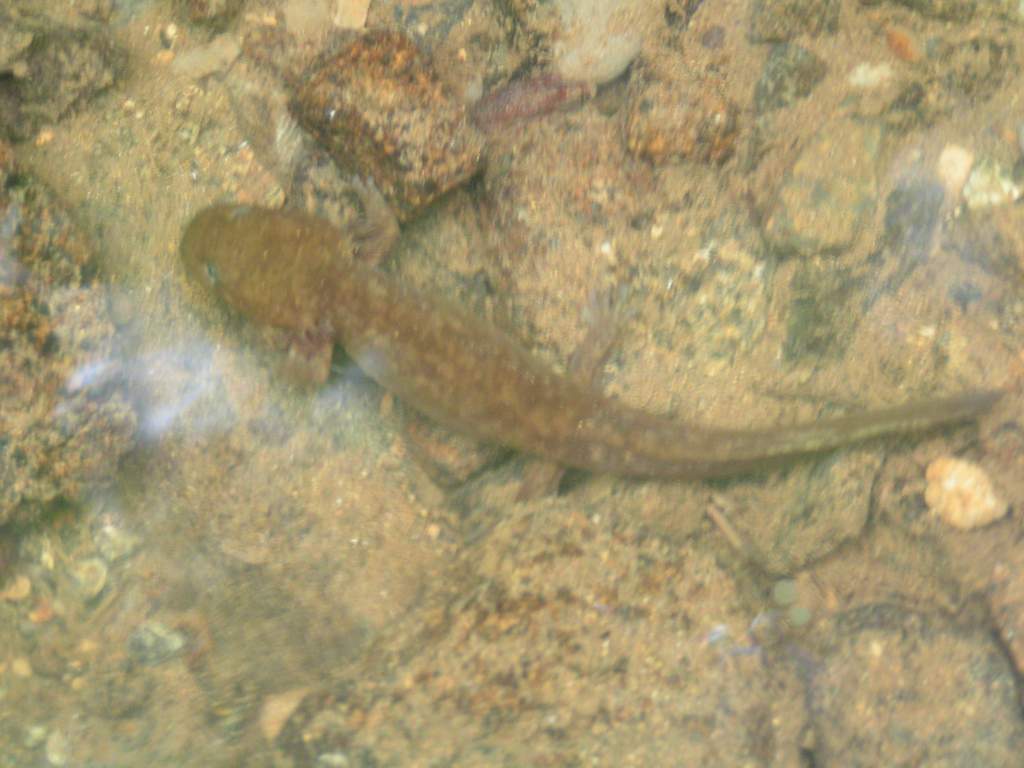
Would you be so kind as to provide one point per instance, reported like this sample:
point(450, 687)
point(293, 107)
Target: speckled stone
point(946, 10)
point(572, 640)
point(380, 110)
point(830, 194)
point(47, 70)
point(790, 73)
point(679, 119)
point(64, 417)
point(899, 687)
point(216, 13)
point(779, 20)
point(809, 512)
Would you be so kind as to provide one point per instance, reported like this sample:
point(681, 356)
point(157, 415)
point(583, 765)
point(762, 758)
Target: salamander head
point(204, 245)
point(267, 265)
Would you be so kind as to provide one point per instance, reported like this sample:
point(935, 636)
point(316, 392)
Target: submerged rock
point(64, 419)
point(830, 194)
point(47, 70)
point(897, 687)
point(380, 110)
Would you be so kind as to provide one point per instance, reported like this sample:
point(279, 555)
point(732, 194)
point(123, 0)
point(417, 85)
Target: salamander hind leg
point(604, 318)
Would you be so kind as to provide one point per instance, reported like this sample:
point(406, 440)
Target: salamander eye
point(211, 272)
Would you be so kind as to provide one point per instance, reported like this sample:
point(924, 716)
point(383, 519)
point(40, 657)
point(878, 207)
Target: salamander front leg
point(377, 230)
point(307, 359)
point(308, 362)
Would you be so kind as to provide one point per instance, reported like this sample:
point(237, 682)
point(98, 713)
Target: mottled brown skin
point(295, 272)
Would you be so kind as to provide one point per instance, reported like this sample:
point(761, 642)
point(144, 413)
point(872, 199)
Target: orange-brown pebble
point(961, 494)
point(42, 613)
point(902, 45)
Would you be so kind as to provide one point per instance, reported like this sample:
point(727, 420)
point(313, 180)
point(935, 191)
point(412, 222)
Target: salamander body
point(295, 272)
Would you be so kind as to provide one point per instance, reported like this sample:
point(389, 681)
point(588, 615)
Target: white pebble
point(57, 749)
point(868, 76)
point(953, 167)
point(990, 185)
point(961, 494)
